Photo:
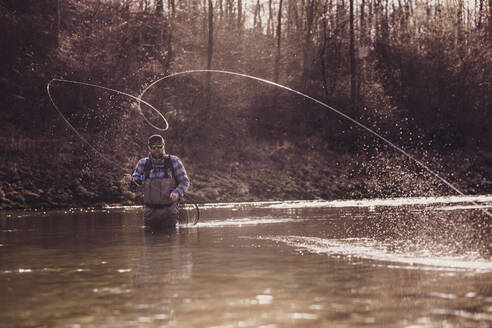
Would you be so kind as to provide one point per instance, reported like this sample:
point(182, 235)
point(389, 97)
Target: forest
point(416, 72)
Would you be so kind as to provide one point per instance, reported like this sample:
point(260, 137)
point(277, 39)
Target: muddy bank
point(50, 174)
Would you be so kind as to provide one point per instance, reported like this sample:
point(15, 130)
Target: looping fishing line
point(181, 210)
point(140, 101)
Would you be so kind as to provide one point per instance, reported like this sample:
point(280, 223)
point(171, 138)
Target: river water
point(407, 262)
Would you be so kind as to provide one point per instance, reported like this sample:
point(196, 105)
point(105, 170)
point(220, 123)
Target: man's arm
point(139, 170)
point(181, 176)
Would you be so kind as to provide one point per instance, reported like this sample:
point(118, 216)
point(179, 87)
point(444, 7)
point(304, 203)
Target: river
point(410, 262)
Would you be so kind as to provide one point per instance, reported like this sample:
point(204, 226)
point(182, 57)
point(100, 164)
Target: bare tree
point(58, 21)
point(159, 7)
point(490, 18)
point(221, 10)
point(210, 51)
point(459, 24)
point(239, 16)
point(310, 12)
point(257, 16)
point(279, 38)
point(323, 48)
point(171, 5)
point(229, 11)
point(270, 28)
point(353, 67)
point(210, 34)
point(293, 20)
point(170, 29)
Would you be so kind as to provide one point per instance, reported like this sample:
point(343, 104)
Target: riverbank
point(51, 174)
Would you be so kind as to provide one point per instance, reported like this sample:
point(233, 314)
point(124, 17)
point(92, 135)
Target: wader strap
point(168, 164)
point(147, 167)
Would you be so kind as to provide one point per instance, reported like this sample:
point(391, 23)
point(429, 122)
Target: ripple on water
point(241, 222)
point(463, 314)
point(370, 249)
point(305, 316)
point(264, 299)
point(111, 290)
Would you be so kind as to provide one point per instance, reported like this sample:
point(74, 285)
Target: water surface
point(395, 263)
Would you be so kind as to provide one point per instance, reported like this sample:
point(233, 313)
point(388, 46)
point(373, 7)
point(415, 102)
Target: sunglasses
point(156, 146)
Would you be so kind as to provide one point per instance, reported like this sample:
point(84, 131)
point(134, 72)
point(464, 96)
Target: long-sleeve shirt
point(180, 174)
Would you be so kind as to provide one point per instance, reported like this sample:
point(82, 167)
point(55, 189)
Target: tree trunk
point(362, 43)
point(289, 11)
point(270, 18)
point(459, 24)
point(210, 34)
point(257, 14)
point(239, 16)
point(210, 51)
point(279, 38)
point(58, 22)
point(172, 8)
point(490, 15)
point(362, 23)
point(308, 54)
point(322, 51)
point(170, 29)
point(294, 21)
point(229, 12)
point(205, 18)
point(159, 7)
point(353, 68)
point(221, 11)
point(489, 29)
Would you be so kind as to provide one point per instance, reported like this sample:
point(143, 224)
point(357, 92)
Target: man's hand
point(174, 197)
point(127, 178)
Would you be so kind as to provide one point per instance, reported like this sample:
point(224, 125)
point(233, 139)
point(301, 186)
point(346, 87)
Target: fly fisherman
point(165, 181)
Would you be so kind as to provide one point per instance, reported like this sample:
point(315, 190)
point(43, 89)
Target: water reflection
point(162, 274)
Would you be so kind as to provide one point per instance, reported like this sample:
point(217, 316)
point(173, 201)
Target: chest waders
point(158, 188)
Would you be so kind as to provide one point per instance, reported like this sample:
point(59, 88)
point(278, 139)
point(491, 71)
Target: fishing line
point(421, 164)
point(139, 101)
point(181, 211)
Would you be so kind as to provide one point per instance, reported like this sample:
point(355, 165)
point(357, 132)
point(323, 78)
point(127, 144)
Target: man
point(164, 179)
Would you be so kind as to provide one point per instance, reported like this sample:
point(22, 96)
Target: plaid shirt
point(182, 179)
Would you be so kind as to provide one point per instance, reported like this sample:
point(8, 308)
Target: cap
point(156, 139)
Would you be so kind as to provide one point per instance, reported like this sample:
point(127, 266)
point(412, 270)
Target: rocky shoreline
point(76, 180)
